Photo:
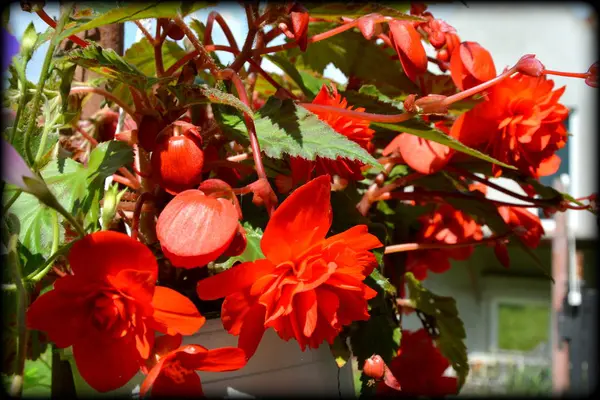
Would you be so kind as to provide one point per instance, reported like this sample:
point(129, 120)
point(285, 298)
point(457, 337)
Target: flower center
point(110, 314)
point(176, 372)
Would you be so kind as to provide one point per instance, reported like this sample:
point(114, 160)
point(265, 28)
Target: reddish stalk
point(215, 16)
point(108, 95)
point(146, 196)
point(440, 196)
point(399, 248)
point(442, 64)
point(567, 74)
point(370, 197)
point(239, 157)
point(394, 118)
point(144, 31)
point(125, 181)
point(158, 58)
point(476, 89)
point(269, 79)
point(197, 45)
point(193, 54)
point(46, 18)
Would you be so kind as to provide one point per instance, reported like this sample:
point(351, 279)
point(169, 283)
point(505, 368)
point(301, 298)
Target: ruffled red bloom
point(196, 228)
point(308, 287)
point(410, 50)
point(109, 309)
point(418, 367)
point(174, 369)
point(470, 65)
point(446, 225)
point(520, 123)
point(527, 225)
point(354, 129)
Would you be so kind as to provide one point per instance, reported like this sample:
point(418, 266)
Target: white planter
point(277, 368)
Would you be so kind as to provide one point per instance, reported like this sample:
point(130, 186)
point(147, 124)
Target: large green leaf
point(450, 328)
point(189, 94)
point(131, 11)
point(282, 127)
point(333, 11)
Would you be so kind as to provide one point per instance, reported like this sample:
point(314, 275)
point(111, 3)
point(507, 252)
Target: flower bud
point(592, 79)
point(529, 65)
point(374, 367)
point(112, 197)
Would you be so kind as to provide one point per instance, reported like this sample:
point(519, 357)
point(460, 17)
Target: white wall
point(559, 36)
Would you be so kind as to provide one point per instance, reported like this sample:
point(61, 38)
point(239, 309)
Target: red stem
point(158, 59)
point(269, 79)
point(208, 31)
point(568, 74)
point(146, 196)
point(476, 89)
point(398, 248)
point(358, 114)
point(46, 18)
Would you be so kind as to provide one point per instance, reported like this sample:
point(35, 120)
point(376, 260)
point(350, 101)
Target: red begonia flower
point(470, 65)
point(308, 287)
point(174, 374)
point(446, 225)
point(419, 367)
point(527, 225)
point(354, 129)
point(109, 309)
point(196, 228)
point(409, 48)
point(520, 123)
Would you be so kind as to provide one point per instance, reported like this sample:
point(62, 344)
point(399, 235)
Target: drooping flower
point(354, 129)
point(197, 226)
point(446, 225)
point(527, 225)
point(470, 65)
point(308, 287)
point(520, 123)
point(419, 368)
point(172, 372)
point(110, 309)
point(411, 52)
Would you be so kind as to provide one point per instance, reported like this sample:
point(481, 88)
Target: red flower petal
point(233, 280)
point(174, 313)
point(107, 253)
point(301, 220)
point(423, 155)
point(252, 330)
point(217, 360)
point(409, 48)
point(470, 65)
point(357, 238)
point(168, 379)
point(106, 363)
point(306, 311)
point(60, 316)
point(194, 229)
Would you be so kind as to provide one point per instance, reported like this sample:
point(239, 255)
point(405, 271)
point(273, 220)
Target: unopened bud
point(592, 78)
point(112, 197)
point(529, 65)
point(432, 104)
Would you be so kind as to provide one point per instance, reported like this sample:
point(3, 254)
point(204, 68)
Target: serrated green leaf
point(28, 41)
point(291, 70)
point(131, 11)
point(333, 11)
point(283, 127)
point(452, 335)
point(189, 94)
point(418, 128)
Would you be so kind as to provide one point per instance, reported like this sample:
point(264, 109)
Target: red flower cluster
point(418, 367)
point(308, 286)
point(446, 225)
point(520, 122)
point(110, 308)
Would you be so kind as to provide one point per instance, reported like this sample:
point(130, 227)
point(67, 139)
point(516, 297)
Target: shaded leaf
point(283, 127)
point(189, 94)
point(340, 351)
point(383, 282)
point(291, 70)
point(333, 11)
point(141, 55)
point(452, 335)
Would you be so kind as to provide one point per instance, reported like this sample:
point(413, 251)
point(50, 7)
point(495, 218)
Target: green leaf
point(28, 41)
point(383, 282)
point(252, 252)
point(291, 70)
point(131, 11)
point(452, 335)
point(108, 63)
point(333, 11)
point(418, 128)
point(189, 94)
point(340, 351)
point(141, 55)
point(283, 127)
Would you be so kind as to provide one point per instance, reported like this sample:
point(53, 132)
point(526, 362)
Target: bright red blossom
point(446, 225)
point(418, 367)
point(173, 371)
point(520, 123)
point(527, 225)
point(409, 47)
point(110, 308)
point(354, 129)
point(307, 287)
point(470, 65)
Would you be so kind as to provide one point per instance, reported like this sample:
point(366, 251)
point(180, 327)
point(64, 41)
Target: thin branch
point(398, 248)
point(108, 95)
point(145, 31)
point(46, 18)
point(208, 31)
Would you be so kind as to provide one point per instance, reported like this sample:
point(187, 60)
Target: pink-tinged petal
point(233, 280)
point(217, 360)
point(105, 253)
point(194, 229)
point(105, 362)
point(252, 330)
point(61, 316)
point(304, 218)
point(306, 311)
point(174, 313)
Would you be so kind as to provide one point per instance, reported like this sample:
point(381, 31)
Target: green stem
point(16, 388)
point(20, 108)
point(40, 152)
point(39, 274)
point(44, 74)
point(11, 201)
point(55, 232)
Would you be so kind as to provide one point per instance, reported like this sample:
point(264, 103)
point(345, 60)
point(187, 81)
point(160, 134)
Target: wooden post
point(560, 259)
